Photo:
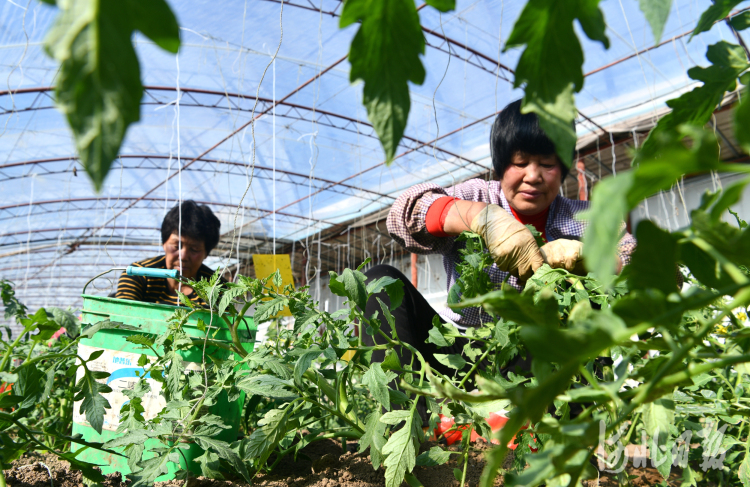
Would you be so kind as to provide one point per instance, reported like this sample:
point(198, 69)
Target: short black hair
point(198, 222)
point(514, 131)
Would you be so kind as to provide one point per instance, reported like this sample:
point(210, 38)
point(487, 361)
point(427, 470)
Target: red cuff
point(436, 214)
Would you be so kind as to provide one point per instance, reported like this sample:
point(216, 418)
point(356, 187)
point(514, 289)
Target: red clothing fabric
point(438, 211)
point(436, 215)
point(538, 221)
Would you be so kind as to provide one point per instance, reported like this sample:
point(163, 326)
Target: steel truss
point(62, 165)
point(20, 210)
point(41, 99)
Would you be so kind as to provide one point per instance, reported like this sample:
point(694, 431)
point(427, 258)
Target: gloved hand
point(564, 254)
point(510, 243)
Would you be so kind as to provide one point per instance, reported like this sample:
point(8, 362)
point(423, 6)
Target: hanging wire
point(252, 124)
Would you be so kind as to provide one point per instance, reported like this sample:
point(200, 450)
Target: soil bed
point(322, 465)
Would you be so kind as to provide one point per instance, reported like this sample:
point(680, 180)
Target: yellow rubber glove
point(510, 243)
point(564, 254)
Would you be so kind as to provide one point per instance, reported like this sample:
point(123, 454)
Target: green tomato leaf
point(228, 297)
point(391, 360)
point(66, 320)
point(304, 362)
point(153, 468)
point(520, 308)
point(144, 340)
point(453, 360)
point(30, 385)
point(94, 403)
point(442, 5)
point(713, 14)
point(662, 164)
point(436, 456)
point(656, 13)
point(99, 87)
point(267, 386)
point(385, 55)
point(551, 65)
point(210, 465)
point(354, 286)
point(266, 310)
point(744, 471)
point(741, 21)
point(262, 442)
point(373, 438)
point(377, 382)
point(658, 418)
point(400, 450)
point(695, 107)
point(654, 262)
point(224, 451)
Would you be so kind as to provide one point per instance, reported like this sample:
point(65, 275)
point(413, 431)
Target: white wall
point(671, 209)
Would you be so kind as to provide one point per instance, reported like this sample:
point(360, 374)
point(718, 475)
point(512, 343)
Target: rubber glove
point(510, 243)
point(564, 254)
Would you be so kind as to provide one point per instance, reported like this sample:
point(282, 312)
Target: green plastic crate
point(120, 359)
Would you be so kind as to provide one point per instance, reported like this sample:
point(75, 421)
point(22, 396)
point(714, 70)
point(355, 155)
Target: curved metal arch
point(472, 56)
point(235, 101)
point(262, 171)
point(39, 204)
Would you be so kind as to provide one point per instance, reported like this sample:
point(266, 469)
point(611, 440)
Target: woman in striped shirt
point(188, 234)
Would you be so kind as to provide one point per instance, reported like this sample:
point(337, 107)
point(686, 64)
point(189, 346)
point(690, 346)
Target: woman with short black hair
point(426, 218)
point(189, 233)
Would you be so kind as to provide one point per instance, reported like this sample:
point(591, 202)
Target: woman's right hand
point(511, 244)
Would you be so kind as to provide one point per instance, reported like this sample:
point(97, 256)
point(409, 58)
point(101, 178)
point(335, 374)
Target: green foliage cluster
point(36, 390)
point(99, 86)
point(628, 357)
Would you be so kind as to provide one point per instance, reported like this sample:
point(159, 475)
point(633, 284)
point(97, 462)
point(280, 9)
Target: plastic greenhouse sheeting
point(313, 161)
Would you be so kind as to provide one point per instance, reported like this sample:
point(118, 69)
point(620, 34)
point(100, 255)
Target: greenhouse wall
point(671, 209)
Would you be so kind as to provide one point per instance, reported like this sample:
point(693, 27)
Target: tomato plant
point(36, 402)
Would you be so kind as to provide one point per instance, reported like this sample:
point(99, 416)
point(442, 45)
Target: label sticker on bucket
point(124, 374)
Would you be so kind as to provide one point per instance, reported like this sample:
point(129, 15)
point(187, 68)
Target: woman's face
point(189, 252)
point(531, 182)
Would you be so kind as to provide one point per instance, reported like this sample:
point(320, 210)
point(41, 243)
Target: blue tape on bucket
point(150, 272)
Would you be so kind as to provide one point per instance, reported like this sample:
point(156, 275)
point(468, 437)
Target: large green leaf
point(551, 65)
point(656, 12)
point(373, 438)
point(654, 264)
point(377, 382)
point(94, 404)
point(99, 87)
point(223, 449)
point(717, 11)
point(581, 341)
point(695, 107)
point(267, 386)
point(741, 21)
point(29, 385)
point(264, 439)
point(521, 308)
point(153, 468)
point(435, 456)
point(662, 164)
point(385, 55)
point(401, 449)
point(658, 418)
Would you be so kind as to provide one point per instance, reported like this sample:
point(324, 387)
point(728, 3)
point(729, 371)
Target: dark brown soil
point(322, 465)
point(32, 471)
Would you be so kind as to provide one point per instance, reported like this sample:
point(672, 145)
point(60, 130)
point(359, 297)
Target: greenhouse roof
point(312, 161)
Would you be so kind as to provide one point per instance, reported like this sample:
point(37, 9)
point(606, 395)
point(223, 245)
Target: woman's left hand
point(564, 254)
